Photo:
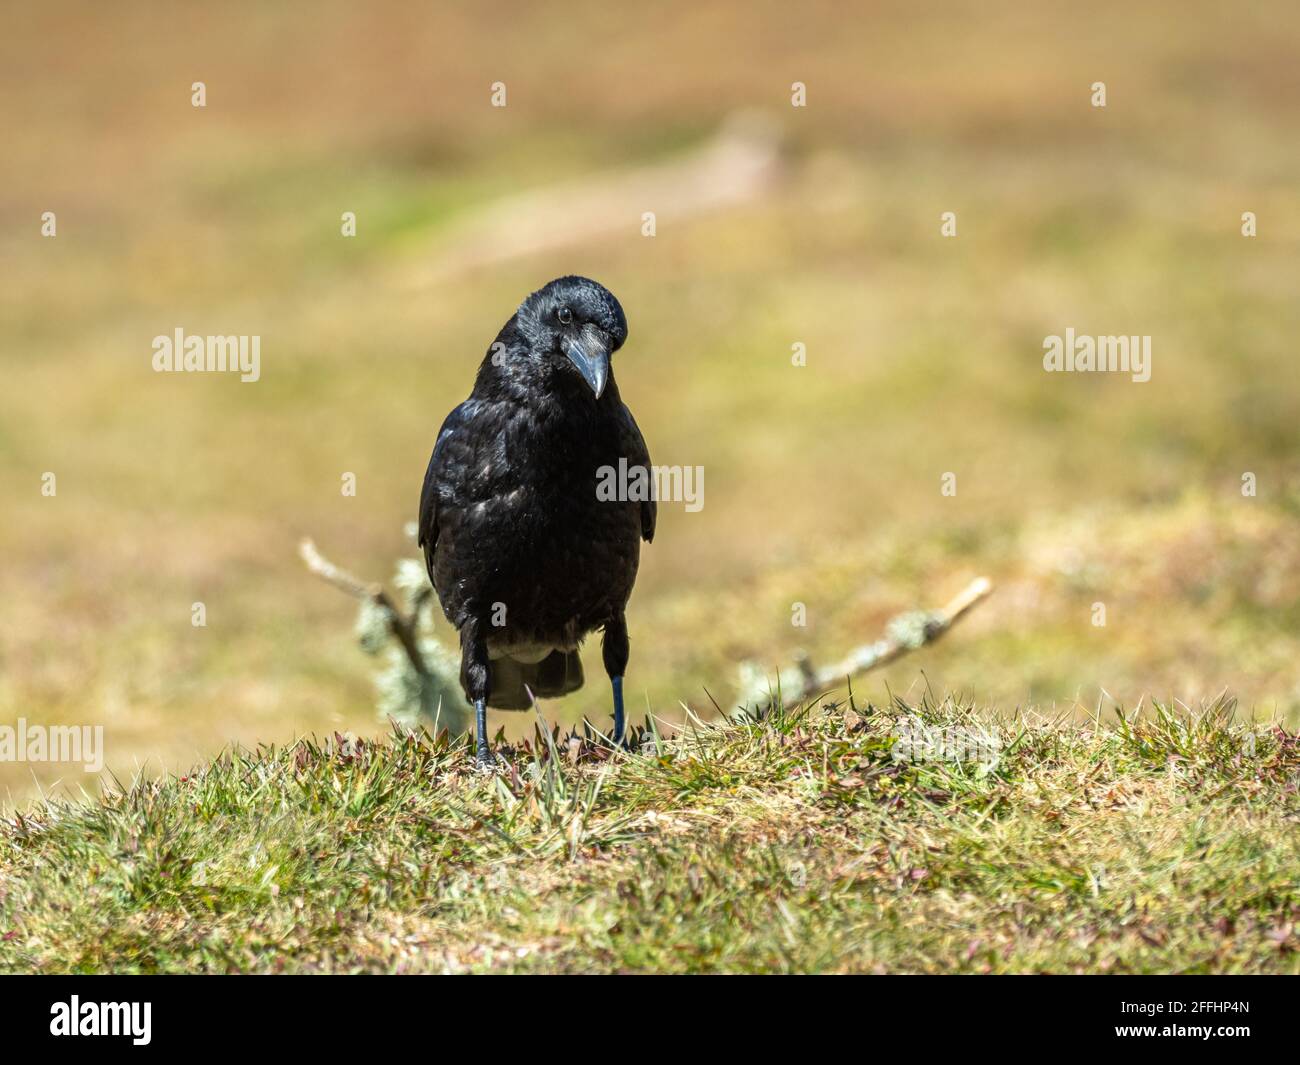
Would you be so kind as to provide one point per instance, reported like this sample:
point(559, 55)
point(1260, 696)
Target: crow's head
point(576, 322)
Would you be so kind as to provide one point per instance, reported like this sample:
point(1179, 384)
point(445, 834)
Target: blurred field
point(822, 482)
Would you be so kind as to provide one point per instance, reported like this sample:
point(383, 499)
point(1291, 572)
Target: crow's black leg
point(617, 683)
point(480, 732)
point(474, 679)
point(614, 649)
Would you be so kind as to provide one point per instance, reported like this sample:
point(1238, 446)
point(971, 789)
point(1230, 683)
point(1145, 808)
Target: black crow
point(525, 555)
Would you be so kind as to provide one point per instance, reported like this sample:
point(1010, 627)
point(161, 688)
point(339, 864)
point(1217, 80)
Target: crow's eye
point(565, 316)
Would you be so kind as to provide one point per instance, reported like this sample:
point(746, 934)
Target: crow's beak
point(589, 352)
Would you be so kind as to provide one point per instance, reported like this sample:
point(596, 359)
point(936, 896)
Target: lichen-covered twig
point(399, 624)
point(904, 633)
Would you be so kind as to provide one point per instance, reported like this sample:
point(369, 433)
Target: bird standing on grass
point(525, 557)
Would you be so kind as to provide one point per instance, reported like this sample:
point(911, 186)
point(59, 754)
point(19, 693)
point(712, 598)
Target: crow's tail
point(509, 682)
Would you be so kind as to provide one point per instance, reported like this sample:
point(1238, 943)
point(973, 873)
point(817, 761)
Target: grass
point(817, 838)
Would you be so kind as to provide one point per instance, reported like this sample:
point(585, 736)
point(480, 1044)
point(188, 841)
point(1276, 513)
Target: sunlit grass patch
point(810, 838)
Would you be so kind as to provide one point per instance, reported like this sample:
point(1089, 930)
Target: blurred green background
point(822, 481)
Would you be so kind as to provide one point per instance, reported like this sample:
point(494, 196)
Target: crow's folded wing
point(447, 466)
point(633, 445)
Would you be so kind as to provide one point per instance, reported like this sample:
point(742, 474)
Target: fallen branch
point(904, 633)
point(400, 625)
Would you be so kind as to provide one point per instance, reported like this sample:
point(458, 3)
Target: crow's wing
point(446, 470)
point(633, 445)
